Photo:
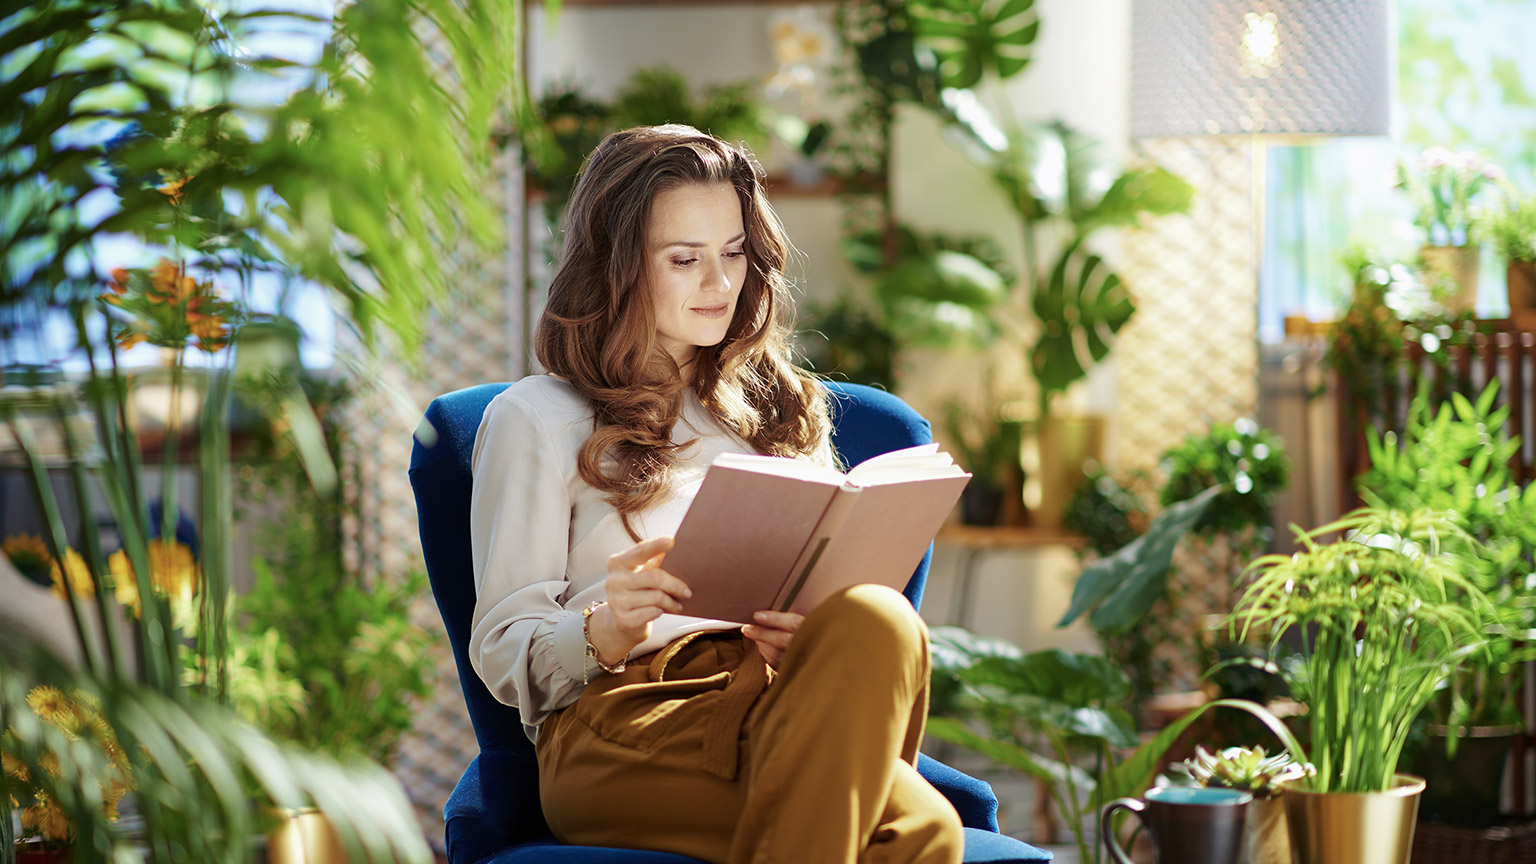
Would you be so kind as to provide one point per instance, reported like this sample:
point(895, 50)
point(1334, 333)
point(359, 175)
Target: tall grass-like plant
point(148, 120)
point(1385, 615)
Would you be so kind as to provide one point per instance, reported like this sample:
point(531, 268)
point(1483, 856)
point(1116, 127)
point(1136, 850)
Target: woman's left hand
point(772, 632)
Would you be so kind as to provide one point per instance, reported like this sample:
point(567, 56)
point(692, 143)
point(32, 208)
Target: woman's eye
point(683, 262)
point(734, 254)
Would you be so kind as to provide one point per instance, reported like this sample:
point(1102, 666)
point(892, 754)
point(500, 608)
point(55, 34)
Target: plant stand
point(1510, 843)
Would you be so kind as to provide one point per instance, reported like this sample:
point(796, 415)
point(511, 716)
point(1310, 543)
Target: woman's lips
point(716, 311)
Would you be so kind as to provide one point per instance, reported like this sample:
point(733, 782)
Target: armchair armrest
point(494, 805)
point(974, 799)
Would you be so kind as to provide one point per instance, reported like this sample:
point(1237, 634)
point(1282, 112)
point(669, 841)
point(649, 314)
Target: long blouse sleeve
point(527, 645)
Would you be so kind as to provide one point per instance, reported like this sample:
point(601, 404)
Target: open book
point(771, 533)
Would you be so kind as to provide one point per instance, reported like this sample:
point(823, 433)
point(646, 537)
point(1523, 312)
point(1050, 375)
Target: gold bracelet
point(586, 629)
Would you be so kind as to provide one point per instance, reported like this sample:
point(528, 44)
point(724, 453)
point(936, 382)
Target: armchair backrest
point(866, 422)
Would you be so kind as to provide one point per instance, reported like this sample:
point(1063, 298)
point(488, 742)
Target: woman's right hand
point(639, 592)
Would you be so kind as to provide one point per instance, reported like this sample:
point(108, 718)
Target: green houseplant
point(1385, 615)
point(321, 658)
point(1056, 716)
point(1511, 230)
point(1457, 457)
point(1251, 770)
point(988, 445)
point(363, 179)
point(1446, 190)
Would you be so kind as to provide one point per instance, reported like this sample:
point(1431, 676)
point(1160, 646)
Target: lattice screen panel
point(1189, 357)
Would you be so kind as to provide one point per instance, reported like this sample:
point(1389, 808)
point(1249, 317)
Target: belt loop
point(659, 664)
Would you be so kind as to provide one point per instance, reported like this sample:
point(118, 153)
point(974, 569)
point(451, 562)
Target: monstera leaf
point(941, 297)
point(894, 65)
point(972, 37)
point(1139, 191)
point(1080, 310)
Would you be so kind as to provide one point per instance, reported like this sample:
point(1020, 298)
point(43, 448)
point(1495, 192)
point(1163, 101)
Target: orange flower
point(119, 283)
point(130, 338)
point(172, 189)
point(172, 571)
point(169, 283)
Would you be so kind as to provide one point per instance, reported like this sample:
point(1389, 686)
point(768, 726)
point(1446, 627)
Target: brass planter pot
point(1350, 828)
point(1268, 840)
point(304, 837)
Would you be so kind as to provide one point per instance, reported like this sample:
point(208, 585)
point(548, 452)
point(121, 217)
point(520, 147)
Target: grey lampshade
point(1225, 67)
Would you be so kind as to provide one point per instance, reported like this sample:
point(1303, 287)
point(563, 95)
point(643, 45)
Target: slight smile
point(716, 311)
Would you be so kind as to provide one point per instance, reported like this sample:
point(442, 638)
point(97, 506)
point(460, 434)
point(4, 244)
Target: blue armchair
point(493, 815)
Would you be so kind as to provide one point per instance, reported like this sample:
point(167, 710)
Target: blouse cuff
point(571, 648)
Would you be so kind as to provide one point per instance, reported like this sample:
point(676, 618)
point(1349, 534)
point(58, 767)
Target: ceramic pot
point(1465, 788)
point(1459, 265)
point(981, 503)
point(1267, 841)
point(1521, 281)
point(1352, 828)
point(1062, 445)
point(33, 853)
point(304, 837)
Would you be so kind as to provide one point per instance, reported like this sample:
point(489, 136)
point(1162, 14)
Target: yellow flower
point(79, 576)
point(172, 572)
point(54, 708)
point(47, 819)
point(15, 769)
point(27, 552)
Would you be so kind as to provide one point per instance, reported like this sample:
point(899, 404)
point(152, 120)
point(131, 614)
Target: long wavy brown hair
point(598, 330)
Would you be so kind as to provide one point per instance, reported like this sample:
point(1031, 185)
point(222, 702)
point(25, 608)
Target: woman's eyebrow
point(694, 244)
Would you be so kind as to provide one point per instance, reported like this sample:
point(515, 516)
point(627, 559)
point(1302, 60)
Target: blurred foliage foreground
point(157, 123)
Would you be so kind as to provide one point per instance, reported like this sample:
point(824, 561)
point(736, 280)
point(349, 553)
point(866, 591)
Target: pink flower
point(1494, 173)
point(1435, 157)
point(1467, 161)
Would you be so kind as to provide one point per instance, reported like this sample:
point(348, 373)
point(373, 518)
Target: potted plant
point(848, 341)
point(1457, 457)
point(1385, 615)
point(321, 659)
point(987, 443)
point(806, 139)
point(1511, 230)
point(1253, 771)
point(1445, 189)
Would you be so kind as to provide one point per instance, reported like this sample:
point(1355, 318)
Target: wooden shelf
point(1008, 536)
point(651, 3)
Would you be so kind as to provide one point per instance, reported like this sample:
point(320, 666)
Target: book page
point(881, 537)
point(741, 536)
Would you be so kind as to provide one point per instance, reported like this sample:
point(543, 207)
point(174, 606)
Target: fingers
point(788, 621)
point(641, 554)
point(773, 631)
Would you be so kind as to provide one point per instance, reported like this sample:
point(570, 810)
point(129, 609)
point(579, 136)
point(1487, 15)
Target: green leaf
point(1080, 310)
point(1120, 588)
point(1137, 192)
point(974, 37)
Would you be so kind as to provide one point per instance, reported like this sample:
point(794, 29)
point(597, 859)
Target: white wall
point(1080, 74)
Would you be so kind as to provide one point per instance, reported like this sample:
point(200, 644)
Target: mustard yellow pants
point(700, 749)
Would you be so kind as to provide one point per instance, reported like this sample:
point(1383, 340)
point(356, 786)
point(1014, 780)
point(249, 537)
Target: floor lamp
point(1258, 72)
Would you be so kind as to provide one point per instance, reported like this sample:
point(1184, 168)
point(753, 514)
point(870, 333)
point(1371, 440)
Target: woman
point(791, 739)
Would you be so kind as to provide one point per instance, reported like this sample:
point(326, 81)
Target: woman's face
point(696, 263)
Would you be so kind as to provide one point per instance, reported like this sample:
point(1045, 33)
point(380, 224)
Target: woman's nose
point(716, 278)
